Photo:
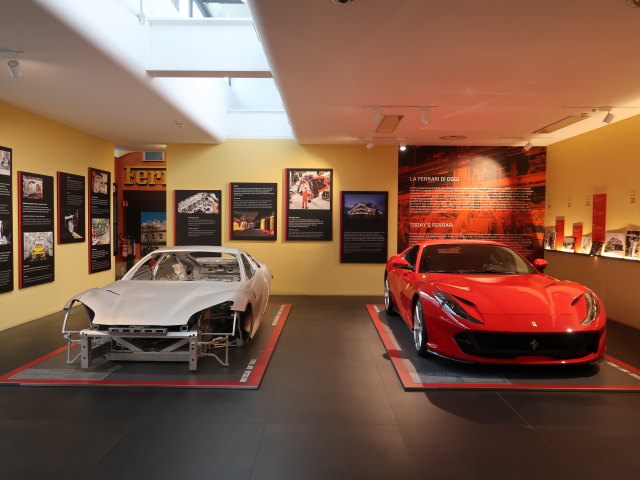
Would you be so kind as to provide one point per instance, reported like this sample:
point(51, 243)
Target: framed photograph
point(614, 244)
point(632, 244)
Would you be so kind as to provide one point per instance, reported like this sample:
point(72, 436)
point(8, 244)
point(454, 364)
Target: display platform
point(431, 373)
point(245, 371)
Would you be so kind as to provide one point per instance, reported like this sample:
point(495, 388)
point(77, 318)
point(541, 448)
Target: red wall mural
point(489, 193)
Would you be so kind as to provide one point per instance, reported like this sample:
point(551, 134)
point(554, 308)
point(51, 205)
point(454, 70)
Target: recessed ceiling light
point(453, 137)
point(342, 2)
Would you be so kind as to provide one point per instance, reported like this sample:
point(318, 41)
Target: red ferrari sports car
point(480, 301)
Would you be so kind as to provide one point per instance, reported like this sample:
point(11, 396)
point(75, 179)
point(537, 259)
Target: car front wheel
point(244, 327)
point(419, 330)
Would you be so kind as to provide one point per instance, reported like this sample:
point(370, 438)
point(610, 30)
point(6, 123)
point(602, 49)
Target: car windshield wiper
point(502, 272)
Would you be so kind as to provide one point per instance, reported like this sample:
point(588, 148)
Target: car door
point(405, 280)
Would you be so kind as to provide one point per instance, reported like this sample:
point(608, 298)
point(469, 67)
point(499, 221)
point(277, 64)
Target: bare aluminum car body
point(175, 304)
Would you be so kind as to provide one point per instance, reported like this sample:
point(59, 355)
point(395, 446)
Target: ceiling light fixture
point(369, 145)
point(563, 122)
point(13, 64)
point(377, 118)
point(14, 68)
point(403, 147)
point(608, 118)
point(425, 115)
point(527, 146)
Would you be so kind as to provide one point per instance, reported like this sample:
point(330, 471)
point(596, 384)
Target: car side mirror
point(402, 264)
point(540, 264)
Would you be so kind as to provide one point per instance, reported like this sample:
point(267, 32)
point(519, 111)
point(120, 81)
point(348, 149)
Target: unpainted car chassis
point(118, 343)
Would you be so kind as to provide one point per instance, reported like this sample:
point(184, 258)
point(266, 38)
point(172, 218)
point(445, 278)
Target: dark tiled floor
point(330, 407)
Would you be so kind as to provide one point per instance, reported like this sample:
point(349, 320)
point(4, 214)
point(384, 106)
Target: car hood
point(139, 302)
point(512, 294)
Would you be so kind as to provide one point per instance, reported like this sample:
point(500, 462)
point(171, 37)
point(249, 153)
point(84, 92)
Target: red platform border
point(409, 384)
point(252, 382)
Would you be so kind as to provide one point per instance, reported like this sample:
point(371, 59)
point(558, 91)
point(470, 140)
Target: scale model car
point(175, 304)
point(38, 252)
point(482, 302)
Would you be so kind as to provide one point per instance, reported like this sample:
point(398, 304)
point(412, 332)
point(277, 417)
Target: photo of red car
point(482, 302)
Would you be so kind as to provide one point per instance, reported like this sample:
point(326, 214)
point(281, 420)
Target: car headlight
point(593, 308)
point(451, 305)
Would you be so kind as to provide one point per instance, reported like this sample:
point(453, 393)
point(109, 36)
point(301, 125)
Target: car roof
point(201, 248)
point(459, 241)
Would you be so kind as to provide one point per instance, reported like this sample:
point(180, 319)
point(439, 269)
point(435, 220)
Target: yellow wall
point(303, 268)
point(43, 146)
point(606, 160)
point(603, 161)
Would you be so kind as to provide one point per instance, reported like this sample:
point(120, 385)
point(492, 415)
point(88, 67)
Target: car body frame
point(482, 302)
point(175, 304)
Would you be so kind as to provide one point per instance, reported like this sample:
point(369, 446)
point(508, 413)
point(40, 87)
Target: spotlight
point(527, 146)
point(425, 114)
point(14, 68)
point(403, 147)
point(608, 118)
point(378, 117)
point(369, 145)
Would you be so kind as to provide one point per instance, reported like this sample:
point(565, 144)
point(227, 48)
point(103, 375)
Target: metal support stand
point(116, 344)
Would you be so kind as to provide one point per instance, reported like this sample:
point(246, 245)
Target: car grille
point(559, 346)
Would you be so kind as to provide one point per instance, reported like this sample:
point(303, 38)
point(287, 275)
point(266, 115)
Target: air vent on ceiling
point(565, 122)
point(453, 137)
point(389, 123)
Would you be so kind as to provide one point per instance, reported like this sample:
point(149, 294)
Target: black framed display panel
point(364, 226)
point(198, 217)
point(71, 208)
point(35, 212)
point(99, 219)
point(308, 204)
point(253, 209)
point(6, 220)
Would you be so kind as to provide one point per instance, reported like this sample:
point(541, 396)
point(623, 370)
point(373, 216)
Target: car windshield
point(188, 266)
point(474, 259)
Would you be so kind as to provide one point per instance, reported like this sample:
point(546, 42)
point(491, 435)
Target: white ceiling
point(494, 71)
point(492, 68)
